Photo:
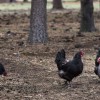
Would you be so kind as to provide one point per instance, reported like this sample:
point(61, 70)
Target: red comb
point(98, 60)
point(82, 53)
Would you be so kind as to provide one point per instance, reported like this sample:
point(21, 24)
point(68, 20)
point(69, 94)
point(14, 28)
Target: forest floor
point(32, 72)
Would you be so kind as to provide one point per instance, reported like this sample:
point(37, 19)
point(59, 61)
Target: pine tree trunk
point(12, 0)
point(38, 22)
point(87, 18)
point(25, 0)
point(57, 4)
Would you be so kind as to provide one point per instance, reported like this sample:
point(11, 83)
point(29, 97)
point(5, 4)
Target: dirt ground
point(32, 72)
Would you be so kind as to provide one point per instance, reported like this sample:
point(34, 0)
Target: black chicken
point(69, 69)
point(97, 64)
point(2, 70)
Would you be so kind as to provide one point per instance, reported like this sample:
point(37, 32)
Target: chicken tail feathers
point(60, 57)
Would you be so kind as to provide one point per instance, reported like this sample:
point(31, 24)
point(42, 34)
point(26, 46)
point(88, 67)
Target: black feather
point(2, 69)
point(97, 69)
point(70, 69)
point(97, 56)
point(60, 58)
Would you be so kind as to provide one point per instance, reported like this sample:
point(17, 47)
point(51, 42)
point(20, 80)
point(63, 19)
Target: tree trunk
point(57, 4)
point(25, 0)
point(87, 18)
point(12, 0)
point(38, 22)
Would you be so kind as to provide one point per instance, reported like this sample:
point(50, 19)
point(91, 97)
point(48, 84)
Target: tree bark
point(12, 0)
point(87, 18)
point(25, 0)
point(57, 4)
point(38, 22)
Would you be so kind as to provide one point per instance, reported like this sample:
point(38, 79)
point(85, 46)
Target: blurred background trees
point(25, 0)
point(38, 17)
point(57, 4)
point(87, 17)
